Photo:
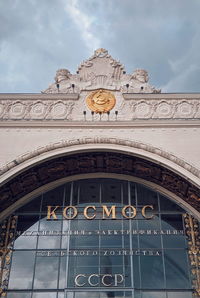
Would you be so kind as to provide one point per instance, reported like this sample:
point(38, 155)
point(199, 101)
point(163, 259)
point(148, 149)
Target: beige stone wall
point(181, 141)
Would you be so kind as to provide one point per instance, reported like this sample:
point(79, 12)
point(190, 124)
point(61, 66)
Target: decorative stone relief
point(142, 110)
point(101, 71)
point(68, 109)
point(186, 109)
point(2, 107)
point(197, 108)
point(36, 110)
point(164, 109)
point(17, 110)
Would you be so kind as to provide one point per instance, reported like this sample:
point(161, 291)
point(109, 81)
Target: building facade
point(100, 187)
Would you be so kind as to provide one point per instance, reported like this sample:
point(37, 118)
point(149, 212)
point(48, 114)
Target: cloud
point(84, 23)
point(186, 81)
point(150, 35)
point(36, 40)
point(162, 37)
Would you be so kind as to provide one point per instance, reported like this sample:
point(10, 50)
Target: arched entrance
point(99, 237)
point(17, 192)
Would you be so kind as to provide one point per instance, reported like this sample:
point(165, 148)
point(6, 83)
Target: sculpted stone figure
point(62, 75)
point(140, 75)
point(138, 83)
point(64, 83)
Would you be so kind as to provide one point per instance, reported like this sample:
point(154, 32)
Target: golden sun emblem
point(100, 101)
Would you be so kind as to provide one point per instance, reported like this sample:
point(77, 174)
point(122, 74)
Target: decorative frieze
point(72, 110)
point(165, 109)
point(36, 109)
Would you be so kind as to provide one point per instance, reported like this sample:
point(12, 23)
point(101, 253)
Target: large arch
point(98, 143)
point(47, 173)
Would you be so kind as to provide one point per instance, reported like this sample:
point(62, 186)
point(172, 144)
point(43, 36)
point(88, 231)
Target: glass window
point(174, 241)
point(46, 273)
point(45, 295)
point(99, 294)
point(167, 205)
point(50, 234)
point(111, 241)
point(150, 255)
point(172, 222)
point(136, 272)
point(145, 196)
point(22, 269)
point(179, 294)
point(154, 295)
point(87, 295)
point(111, 191)
point(84, 241)
point(32, 207)
point(62, 273)
point(152, 272)
point(177, 271)
point(69, 295)
point(54, 197)
point(89, 192)
point(26, 233)
point(150, 241)
point(19, 295)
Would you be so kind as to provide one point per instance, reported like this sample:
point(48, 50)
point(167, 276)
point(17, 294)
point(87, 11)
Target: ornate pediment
point(101, 71)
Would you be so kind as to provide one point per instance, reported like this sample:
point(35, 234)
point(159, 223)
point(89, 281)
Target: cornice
point(160, 96)
point(155, 123)
point(39, 96)
point(75, 96)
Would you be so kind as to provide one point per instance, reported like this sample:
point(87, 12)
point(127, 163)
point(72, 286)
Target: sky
point(37, 37)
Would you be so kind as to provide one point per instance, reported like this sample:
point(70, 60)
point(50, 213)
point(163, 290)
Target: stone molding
point(38, 96)
point(75, 96)
point(161, 96)
point(22, 107)
point(101, 140)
